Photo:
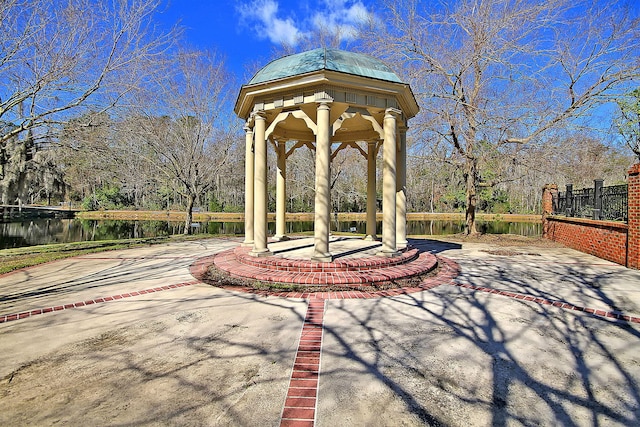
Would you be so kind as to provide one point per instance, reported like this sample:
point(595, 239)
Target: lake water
point(44, 231)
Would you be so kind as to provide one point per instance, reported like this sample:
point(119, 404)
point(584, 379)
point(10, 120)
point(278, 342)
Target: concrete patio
point(523, 335)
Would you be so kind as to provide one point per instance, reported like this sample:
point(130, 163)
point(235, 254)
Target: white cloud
point(341, 17)
point(357, 13)
point(262, 15)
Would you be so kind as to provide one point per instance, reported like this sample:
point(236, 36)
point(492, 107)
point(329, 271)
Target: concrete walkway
point(173, 351)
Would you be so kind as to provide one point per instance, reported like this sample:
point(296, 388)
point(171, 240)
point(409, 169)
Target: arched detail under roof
point(352, 113)
point(298, 114)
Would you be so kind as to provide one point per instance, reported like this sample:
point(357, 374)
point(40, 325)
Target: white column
point(401, 190)
point(323, 186)
point(248, 186)
point(260, 189)
point(281, 191)
point(389, 185)
point(371, 191)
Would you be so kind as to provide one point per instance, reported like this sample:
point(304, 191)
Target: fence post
point(633, 215)
point(549, 196)
point(569, 200)
point(597, 197)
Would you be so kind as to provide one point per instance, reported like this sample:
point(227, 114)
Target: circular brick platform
point(350, 271)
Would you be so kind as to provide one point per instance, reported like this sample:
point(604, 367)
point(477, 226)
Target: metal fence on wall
point(599, 202)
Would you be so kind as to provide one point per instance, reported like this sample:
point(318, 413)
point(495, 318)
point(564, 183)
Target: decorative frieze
point(335, 93)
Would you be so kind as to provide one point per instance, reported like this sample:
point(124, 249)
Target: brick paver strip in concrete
point(302, 396)
point(561, 304)
point(23, 315)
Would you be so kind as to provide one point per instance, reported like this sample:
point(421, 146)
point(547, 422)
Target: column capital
point(248, 128)
point(392, 112)
point(259, 115)
point(250, 122)
point(323, 104)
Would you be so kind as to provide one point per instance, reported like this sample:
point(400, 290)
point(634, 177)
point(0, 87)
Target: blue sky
point(247, 31)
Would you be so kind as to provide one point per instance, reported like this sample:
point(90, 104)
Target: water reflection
point(45, 231)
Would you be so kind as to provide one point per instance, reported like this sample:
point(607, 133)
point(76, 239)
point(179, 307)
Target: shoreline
point(297, 216)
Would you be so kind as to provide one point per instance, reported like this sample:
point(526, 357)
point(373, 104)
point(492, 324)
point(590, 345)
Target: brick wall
point(633, 257)
point(604, 239)
point(613, 241)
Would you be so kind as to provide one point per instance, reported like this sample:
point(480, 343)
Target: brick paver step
point(352, 272)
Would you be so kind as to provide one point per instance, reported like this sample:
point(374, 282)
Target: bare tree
point(628, 120)
point(187, 126)
point(300, 180)
point(84, 156)
point(348, 183)
point(60, 59)
point(495, 75)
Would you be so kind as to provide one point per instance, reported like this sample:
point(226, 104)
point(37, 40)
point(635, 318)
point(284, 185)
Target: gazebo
point(326, 100)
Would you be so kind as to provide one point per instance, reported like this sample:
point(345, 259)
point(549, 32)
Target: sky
point(247, 31)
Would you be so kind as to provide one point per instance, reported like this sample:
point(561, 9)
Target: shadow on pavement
point(448, 356)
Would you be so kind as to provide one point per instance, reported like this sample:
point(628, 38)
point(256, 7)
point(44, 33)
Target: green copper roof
point(325, 59)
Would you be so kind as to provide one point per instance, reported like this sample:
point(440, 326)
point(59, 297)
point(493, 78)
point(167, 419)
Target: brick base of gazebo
point(346, 271)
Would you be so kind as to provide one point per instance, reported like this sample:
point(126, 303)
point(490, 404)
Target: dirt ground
point(499, 240)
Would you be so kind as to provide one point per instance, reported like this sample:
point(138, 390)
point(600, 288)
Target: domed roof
point(325, 59)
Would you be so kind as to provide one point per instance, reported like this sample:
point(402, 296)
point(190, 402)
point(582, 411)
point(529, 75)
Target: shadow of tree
point(210, 360)
point(433, 246)
point(463, 357)
point(64, 281)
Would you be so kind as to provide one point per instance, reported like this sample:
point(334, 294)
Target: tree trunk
point(187, 223)
point(433, 189)
point(470, 175)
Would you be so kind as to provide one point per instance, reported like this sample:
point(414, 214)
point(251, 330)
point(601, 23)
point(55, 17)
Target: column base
point(327, 257)
point(260, 252)
point(388, 253)
point(247, 243)
point(282, 238)
point(402, 245)
point(370, 238)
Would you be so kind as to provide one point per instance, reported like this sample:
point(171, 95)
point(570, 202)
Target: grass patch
point(14, 259)
point(278, 287)
point(218, 278)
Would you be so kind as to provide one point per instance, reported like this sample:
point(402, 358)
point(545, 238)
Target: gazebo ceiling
point(347, 79)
